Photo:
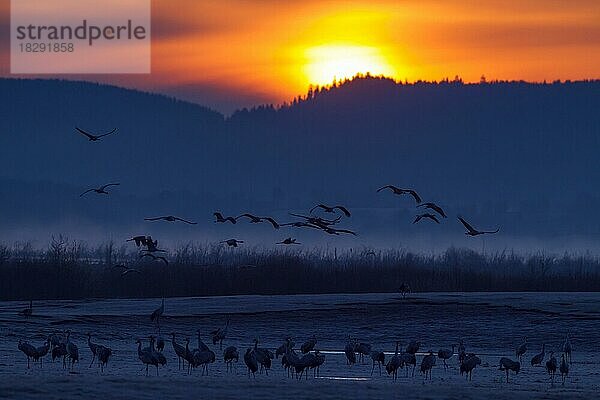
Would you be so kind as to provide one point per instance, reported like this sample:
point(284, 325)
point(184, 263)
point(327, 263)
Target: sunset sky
point(232, 53)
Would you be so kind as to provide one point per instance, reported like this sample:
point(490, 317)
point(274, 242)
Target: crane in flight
point(100, 189)
point(316, 221)
point(232, 242)
point(256, 220)
point(398, 191)
point(434, 207)
point(94, 138)
point(219, 218)
point(472, 231)
point(170, 218)
point(328, 209)
point(426, 215)
point(288, 241)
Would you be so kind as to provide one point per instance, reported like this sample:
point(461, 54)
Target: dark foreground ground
point(492, 325)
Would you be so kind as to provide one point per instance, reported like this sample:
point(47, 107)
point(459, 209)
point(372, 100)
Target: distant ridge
point(519, 155)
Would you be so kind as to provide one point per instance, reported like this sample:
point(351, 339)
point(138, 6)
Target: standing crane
point(251, 362)
point(394, 363)
point(506, 364)
point(349, 352)
point(564, 368)
point(28, 350)
point(72, 350)
point(567, 349)
point(551, 366)
point(539, 358)
point(156, 314)
point(93, 348)
point(229, 356)
point(145, 356)
point(179, 351)
point(445, 354)
point(219, 334)
point(427, 364)
point(522, 349)
point(27, 312)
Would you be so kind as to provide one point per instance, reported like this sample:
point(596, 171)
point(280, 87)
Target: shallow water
point(492, 325)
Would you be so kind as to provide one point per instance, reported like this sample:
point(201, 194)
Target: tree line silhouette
point(69, 269)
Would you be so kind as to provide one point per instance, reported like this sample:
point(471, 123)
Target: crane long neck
point(396, 348)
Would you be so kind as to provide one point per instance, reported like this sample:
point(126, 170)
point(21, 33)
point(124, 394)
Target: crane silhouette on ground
point(156, 314)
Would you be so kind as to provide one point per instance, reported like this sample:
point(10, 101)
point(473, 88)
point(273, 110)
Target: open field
point(491, 324)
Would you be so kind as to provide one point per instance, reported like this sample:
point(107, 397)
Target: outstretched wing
point(87, 191)
point(295, 224)
point(108, 185)
point(492, 232)
point(153, 219)
point(231, 219)
point(323, 206)
point(417, 219)
point(415, 195)
point(106, 134)
point(250, 216)
point(394, 188)
point(344, 210)
point(431, 216)
point(89, 135)
point(272, 221)
point(186, 221)
point(466, 224)
point(438, 210)
point(345, 231)
point(434, 207)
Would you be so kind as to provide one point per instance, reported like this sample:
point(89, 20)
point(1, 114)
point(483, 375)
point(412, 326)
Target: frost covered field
point(492, 325)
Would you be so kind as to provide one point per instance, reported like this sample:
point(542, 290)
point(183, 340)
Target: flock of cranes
point(297, 363)
point(428, 211)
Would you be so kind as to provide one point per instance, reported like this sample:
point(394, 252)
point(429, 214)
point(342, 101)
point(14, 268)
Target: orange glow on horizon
point(329, 62)
point(272, 51)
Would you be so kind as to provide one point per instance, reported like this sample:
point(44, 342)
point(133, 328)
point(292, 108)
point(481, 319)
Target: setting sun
point(328, 62)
